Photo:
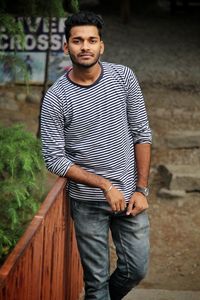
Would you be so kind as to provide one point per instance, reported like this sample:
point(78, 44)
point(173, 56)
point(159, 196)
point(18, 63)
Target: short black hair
point(83, 18)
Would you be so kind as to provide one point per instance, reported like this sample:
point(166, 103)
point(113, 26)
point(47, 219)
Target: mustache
point(85, 53)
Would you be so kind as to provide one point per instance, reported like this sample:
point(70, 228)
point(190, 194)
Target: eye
point(93, 41)
point(76, 42)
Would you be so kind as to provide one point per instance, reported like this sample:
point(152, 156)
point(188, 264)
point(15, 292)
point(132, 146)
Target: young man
point(95, 132)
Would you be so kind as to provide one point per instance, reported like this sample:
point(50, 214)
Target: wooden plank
point(17, 282)
point(45, 264)
point(20, 247)
point(58, 187)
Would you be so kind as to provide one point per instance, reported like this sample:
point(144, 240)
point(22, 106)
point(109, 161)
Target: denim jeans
point(92, 220)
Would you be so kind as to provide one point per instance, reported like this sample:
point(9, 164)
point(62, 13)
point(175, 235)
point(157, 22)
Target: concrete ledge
point(180, 177)
point(154, 294)
point(183, 139)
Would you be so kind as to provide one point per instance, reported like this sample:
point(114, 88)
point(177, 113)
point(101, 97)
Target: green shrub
point(21, 183)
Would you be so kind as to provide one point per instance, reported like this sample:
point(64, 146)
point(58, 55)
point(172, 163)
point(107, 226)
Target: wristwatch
point(142, 190)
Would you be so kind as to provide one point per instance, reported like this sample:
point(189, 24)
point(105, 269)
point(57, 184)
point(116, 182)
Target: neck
point(85, 76)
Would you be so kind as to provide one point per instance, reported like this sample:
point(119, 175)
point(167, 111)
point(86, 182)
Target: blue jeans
point(92, 220)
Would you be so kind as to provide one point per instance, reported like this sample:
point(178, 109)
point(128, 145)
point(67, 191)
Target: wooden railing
point(45, 264)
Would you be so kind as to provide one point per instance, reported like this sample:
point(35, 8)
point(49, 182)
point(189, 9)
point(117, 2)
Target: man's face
point(84, 46)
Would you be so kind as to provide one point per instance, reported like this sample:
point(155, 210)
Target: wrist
point(106, 186)
point(143, 190)
point(142, 180)
point(109, 189)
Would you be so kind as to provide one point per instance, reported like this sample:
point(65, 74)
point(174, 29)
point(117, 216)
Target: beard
point(85, 65)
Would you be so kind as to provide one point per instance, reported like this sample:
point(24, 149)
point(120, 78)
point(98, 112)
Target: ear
point(102, 48)
point(65, 48)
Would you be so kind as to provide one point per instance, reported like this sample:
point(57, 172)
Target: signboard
point(34, 52)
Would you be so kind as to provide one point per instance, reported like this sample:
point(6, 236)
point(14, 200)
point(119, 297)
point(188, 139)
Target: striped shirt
point(95, 127)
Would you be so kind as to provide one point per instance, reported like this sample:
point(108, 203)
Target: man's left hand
point(137, 204)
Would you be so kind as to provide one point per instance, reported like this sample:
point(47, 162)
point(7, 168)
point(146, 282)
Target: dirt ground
point(165, 54)
point(164, 51)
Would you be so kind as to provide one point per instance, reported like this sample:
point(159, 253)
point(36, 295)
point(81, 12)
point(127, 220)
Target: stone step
point(157, 294)
point(178, 140)
point(175, 113)
point(180, 177)
point(171, 194)
point(183, 139)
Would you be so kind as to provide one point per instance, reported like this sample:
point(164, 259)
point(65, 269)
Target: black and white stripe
point(96, 128)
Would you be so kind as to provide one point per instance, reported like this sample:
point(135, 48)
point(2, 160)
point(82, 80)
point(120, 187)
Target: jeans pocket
point(85, 209)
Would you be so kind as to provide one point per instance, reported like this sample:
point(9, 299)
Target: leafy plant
point(21, 183)
point(13, 26)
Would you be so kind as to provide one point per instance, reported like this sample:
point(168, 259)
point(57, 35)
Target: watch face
point(144, 191)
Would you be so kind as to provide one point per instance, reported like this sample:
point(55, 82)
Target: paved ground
point(153, 294)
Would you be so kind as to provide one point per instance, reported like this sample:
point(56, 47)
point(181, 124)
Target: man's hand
point(115, 199)
point(137, 204)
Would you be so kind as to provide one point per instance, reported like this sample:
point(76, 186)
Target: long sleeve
point(52, 135)
point(89, 127)
point(137, 116)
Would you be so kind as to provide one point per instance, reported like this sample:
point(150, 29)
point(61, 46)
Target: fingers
point(123, 205)
point(130, 207)
point(116, 200)
point(118, 205)
point(137, 204)
point(136, 211)
point(114, 207)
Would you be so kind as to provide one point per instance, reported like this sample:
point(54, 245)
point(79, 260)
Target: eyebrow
point(81, 38)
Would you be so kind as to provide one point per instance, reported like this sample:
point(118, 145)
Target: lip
point(85, 55)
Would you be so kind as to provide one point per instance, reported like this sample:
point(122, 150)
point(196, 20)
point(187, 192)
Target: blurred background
point(160, 41)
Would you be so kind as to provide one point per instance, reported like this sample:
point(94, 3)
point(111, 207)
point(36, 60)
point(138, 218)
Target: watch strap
point(142, 190)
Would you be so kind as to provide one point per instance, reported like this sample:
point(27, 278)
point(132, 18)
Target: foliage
point(32, 7)
point(21, 183)
point(15, 65)
point(74, 5)
point(12, 26)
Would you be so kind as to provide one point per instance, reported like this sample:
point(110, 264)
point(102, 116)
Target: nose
point(84, 46)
